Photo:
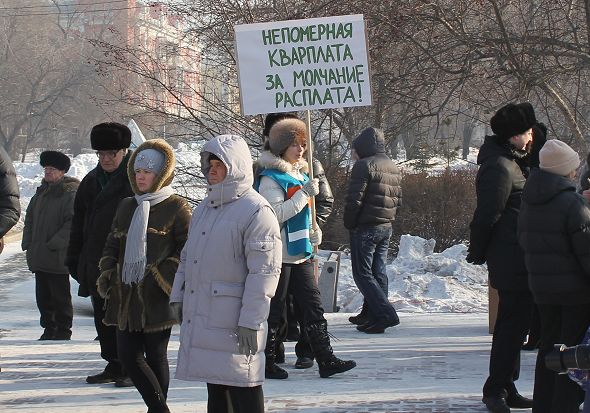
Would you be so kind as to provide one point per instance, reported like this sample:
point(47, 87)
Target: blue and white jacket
point(279, 182)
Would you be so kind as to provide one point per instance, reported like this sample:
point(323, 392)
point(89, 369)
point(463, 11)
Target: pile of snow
point(421, 280)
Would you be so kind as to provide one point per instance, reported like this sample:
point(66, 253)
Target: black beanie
point(110, 136)
point(273, 118)
point(513, 119)
point(55, 159)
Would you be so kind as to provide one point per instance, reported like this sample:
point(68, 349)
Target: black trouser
point(560, 324)
point(54, 301)
point(297, 279)
point(145, 358)
point(231, 399)
point(512, 324)
point(107, 336)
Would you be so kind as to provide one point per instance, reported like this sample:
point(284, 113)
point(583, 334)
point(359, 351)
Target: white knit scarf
point(135, 248)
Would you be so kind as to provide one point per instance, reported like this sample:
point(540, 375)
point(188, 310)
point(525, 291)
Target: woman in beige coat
point(228, 273)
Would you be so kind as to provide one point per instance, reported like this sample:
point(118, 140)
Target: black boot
point(271, 370)
point(280, 353)
point(319, 341)
point(362, 317)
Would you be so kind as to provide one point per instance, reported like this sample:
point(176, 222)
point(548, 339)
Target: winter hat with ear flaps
point(513, 119)
point(558, 158)
point(55, 159)
point(283, 133)
point(110, 136)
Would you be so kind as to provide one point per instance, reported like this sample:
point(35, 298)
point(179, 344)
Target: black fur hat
point(513, 119)
point(55, 159)
point(110, 136)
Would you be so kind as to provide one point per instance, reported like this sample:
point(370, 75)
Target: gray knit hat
point(284, 133)
point(557, 157)
point(150, 160)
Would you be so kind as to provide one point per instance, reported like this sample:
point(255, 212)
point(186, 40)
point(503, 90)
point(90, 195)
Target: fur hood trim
point(166, 176)
point(268, 160)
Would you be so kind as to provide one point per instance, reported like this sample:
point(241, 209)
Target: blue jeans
point(368, 252)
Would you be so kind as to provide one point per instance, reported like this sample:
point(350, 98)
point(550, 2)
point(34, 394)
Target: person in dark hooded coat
point(554, 231)
point(374, 194)
point(499, 184)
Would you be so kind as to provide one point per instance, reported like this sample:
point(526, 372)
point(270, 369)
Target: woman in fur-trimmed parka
point(229, 270)
point(140, 259)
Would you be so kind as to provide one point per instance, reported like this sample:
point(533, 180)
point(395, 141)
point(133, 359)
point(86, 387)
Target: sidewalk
point(429, 363)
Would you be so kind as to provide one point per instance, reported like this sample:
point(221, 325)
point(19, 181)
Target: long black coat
point(94, 210)
point(499, 184)
point(9, 194)
point(374, 189)
point(554, 231)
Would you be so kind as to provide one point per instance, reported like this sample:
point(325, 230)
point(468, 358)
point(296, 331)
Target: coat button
point(203, 233)
point(192, 291)
point(195, 261)
point(214, 291)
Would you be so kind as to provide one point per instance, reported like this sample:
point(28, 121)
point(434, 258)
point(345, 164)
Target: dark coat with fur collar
point(145, 306)
point(47, 225)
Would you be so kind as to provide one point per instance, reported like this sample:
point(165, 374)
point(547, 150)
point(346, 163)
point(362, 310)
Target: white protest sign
point(303, 64)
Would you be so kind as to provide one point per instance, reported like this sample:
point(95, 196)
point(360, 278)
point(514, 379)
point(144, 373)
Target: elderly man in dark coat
point(45, 238)
point(499, 184)
point(94, 209)
point(9, 195)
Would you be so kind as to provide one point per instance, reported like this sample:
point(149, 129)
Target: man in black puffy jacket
point(374, 194)
point(554, 231)
point(9, 195)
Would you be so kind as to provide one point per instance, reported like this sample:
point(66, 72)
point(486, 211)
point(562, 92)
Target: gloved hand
point(72, 268)
point(102, 286)
point(315, 236)
point(472, 259)
point(247, 341)
point(311, 187)
point(177, 311)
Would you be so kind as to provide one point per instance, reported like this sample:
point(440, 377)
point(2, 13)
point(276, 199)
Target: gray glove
point(311, 187)
point(177, 311)
point(315, 237)
point(247, 341)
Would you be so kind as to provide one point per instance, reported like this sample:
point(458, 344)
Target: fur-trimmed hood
point(166, 176)
point(268, 160)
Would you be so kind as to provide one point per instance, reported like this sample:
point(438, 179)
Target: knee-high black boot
point(319, 341)
point(271, 370)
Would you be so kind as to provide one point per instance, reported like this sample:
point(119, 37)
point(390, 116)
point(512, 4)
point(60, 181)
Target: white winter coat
point(229, 270)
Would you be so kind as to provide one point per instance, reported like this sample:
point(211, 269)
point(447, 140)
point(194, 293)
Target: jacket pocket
point(226, 304)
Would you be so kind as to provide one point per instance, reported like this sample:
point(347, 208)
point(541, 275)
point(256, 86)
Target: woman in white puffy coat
point(228, 273)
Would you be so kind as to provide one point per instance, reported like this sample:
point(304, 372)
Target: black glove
point(72, 268)
point(539, 139)
point(472, 259)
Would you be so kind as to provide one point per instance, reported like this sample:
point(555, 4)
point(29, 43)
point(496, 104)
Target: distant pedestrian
point(554, 231)
point(94, 209)
point(373, 197)
point(228, 272)
point(45, 238)
point(499, 184)
point(284, 183)
point(9, 196)
point(140, 259)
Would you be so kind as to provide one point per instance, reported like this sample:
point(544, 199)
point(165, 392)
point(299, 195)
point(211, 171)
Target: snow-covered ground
point(431, 362)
